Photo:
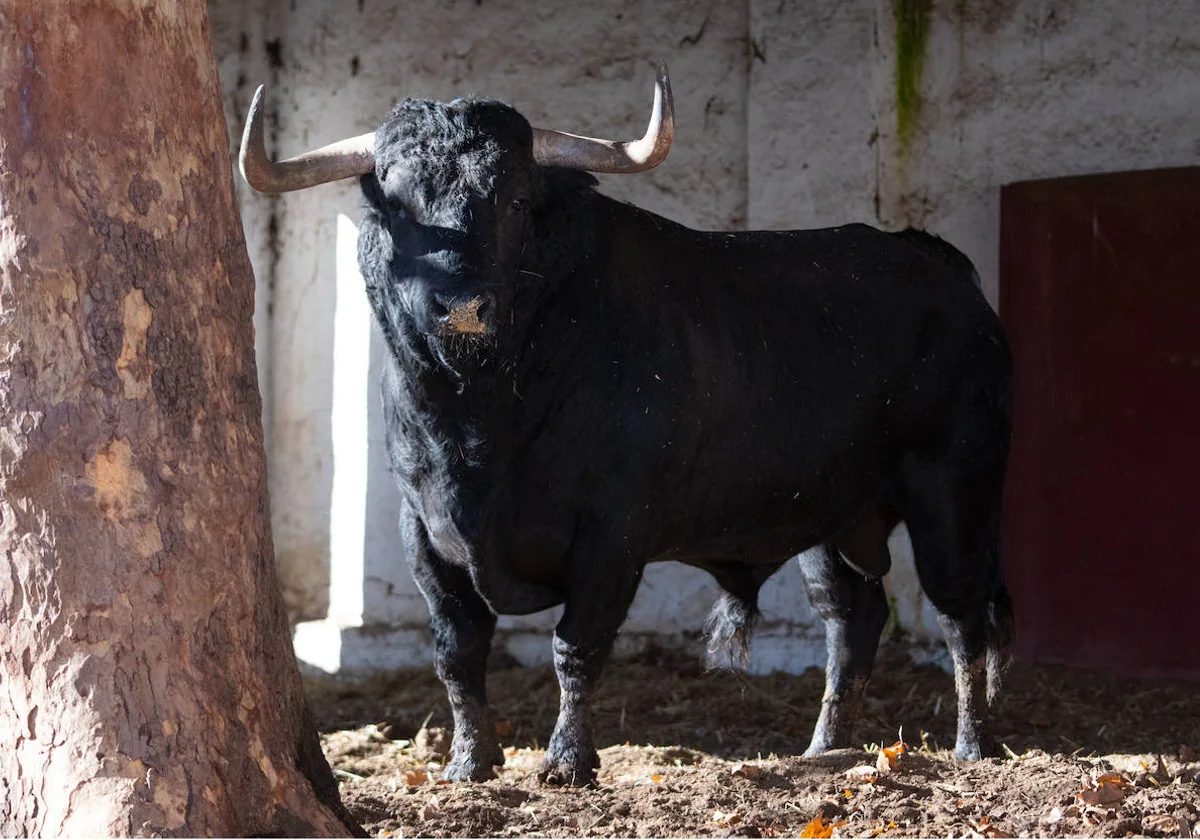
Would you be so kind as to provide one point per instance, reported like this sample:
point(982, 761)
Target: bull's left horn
point(344, 159)
point(556, 148)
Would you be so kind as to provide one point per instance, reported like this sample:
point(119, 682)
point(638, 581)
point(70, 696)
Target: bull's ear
point(562, 189)
point(372, 191)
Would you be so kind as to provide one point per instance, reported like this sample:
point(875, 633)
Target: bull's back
point(794, 370)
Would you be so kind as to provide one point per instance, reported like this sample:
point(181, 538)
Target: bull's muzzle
point(463, 316)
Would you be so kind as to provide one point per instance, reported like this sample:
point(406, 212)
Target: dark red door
point(1100, 294)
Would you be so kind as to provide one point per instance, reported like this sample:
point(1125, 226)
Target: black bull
point(578, 387)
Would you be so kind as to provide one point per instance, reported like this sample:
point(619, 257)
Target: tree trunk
point(149, 685)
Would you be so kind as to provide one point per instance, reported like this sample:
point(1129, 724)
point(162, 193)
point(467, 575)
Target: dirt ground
point(690, 752)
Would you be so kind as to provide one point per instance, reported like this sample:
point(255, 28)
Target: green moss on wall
point(912, 32)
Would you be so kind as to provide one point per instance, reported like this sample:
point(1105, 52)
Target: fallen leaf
point(746, 771)
point(1166, 824)
point(892, 754)
point(415, 778)
point(510, 752)
point(985, 828)
point(1058, 814)
point(1161, 774)
point(885, 762)
point(1095, 814)
point(863, 774)
point(773, 830)
point(1104, 789)
point(817, 827)
point(726, 818)
point(656, 777)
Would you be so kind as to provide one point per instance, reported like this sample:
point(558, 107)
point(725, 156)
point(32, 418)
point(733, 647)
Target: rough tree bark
point(148, 681)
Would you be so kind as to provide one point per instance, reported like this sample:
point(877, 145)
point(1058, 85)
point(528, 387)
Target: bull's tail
point(1001, 629)
point(729, 628)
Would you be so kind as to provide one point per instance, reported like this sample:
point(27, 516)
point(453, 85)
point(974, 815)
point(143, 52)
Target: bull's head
point(450, 190)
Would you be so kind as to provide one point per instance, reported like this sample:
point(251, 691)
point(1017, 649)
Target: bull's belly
point(533, 538)
point(536, 550)
point(763, 527)
point(768, 546)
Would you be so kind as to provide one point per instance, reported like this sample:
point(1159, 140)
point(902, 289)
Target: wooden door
point(1100, 294)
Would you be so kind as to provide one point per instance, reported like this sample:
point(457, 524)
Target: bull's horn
point(555, 148)
point(344, 159)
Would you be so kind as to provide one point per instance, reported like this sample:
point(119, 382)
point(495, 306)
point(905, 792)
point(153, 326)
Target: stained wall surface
point(786, 117)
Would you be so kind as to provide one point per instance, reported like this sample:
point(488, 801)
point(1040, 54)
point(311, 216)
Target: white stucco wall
point(1017, 91)
point(237, 32)
point(786, 118)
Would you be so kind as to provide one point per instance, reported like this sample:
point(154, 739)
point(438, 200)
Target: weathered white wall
point(786, 118)
point(1033, 89)
point(237, 35)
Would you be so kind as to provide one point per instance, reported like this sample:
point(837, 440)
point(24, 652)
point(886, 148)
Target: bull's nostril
point(485, 306)
point(439, 307)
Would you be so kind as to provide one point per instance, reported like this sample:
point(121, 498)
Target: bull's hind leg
point(855, 610)
point(954, 521)
point(462, 627)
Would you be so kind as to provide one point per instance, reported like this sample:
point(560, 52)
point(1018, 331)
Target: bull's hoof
point(973, 749)
point(466, 771)
point(570, 769)
point(470, 767)
point(823, 742)
point(565, 775)
point(968, 752)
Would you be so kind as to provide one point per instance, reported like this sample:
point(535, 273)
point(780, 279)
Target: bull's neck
point(451, 396)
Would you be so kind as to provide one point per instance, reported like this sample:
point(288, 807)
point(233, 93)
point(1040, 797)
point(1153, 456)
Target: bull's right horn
point(344, 159)
point(557, 148)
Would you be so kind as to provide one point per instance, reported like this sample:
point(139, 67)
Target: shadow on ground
point(665, 697)
point(672, 736)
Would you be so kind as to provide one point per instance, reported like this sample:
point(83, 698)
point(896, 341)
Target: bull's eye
point(519, 205)
point(395, 208)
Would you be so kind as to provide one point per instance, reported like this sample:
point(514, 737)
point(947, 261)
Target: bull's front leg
point(596, 608)
point(462, 625)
